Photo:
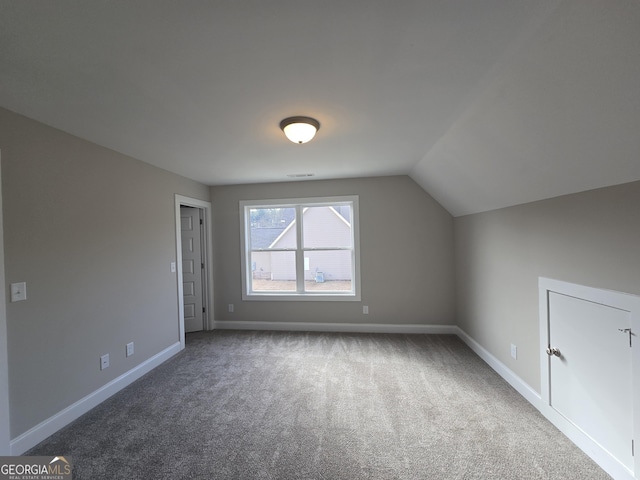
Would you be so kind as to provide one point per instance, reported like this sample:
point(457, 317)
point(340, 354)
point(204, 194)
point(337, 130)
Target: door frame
point(5, 431)
point(207, 249)
point(610, 298)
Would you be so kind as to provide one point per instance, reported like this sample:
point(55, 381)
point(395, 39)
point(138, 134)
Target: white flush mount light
point(300, 175)
point(300, 129)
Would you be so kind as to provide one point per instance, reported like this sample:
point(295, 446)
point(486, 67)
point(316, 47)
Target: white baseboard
point(501, 369)
point(48, 427)
point(337, 327)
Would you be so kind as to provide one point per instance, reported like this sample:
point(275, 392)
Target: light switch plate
point(18, 291)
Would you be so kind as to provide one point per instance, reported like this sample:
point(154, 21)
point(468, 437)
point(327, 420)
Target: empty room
point(320, 240)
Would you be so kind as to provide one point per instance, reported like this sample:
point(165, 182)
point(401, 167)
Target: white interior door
point(590, 377)
point(192, 268)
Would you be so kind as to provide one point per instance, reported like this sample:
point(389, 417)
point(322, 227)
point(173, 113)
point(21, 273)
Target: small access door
point(590, 376)
point(192, 268)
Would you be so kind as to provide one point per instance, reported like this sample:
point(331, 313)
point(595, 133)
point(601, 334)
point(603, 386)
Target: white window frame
point(300, 295)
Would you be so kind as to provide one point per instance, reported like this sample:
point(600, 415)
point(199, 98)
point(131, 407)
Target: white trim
point(48, 427)
point(338, 327)
point(5, 430)
point(610, 298)
point(623, 301)
point(501, 369)
point(319, 296)
point(181, 200)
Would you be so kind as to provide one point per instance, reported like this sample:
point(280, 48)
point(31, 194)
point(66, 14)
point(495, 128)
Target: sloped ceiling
point(485, 104)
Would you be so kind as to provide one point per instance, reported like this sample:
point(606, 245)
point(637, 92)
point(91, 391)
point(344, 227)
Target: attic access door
point(588, 360)
point(591, 377)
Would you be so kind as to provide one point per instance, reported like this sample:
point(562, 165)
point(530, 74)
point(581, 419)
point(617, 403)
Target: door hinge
point(200, 221)
point(633, 449)
point(202, 266)
point(204, 310)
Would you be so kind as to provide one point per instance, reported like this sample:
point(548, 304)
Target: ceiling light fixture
point(300, 175)
point(300, 129)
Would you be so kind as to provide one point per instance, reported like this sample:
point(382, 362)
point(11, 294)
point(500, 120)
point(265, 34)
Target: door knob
point(553, 351)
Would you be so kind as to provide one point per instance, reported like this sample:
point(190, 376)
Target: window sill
point(307, 297)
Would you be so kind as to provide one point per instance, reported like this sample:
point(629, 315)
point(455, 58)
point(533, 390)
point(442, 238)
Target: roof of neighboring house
point(264, 237)
point(344, 211)
point(341, 212)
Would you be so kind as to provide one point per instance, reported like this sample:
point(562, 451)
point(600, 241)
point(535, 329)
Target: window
point(300, 249)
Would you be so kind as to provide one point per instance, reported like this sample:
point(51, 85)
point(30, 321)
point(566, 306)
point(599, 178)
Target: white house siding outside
point(261, 265)
point(323, 227)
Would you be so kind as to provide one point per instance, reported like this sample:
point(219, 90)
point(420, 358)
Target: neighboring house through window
point(300, 249)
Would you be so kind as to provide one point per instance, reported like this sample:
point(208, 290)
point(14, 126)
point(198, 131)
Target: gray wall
point(92, 232)
point(590, 238)
point(406, 241)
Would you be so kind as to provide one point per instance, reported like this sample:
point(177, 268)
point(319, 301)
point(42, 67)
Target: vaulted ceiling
point(485, 104)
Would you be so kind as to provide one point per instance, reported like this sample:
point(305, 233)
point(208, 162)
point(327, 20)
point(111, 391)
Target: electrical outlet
point(514, 351)
point(231, 308)
point(365, 309)
point(129, 349)
point(104, 361)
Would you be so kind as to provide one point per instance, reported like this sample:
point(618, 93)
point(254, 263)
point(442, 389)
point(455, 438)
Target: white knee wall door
point(590, 368)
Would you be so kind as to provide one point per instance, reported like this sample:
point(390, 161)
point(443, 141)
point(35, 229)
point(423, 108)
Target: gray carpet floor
point(280, 405)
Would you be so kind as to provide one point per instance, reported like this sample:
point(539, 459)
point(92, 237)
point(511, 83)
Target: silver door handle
point(553, 351)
